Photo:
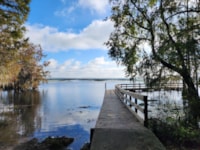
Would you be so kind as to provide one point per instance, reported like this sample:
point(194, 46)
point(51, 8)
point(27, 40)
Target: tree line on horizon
point(20, 65)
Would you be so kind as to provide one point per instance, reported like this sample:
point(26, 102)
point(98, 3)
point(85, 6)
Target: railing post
point(145, 111)
point(121, 95)
point(126, 99)
point(136, 104)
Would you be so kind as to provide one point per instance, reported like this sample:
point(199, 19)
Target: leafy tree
point(13, 13)
point(20, 66)
point(171, 29)
point(31, 73)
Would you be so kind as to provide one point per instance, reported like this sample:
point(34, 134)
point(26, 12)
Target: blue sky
point(72, 35)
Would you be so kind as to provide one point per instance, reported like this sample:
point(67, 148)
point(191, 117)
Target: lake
point(59, 108)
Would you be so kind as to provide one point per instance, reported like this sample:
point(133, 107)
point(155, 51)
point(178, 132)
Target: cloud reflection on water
point(59, 108)
point(70, 108)
point(62, 102)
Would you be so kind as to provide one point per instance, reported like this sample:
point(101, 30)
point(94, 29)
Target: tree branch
point(170, 36)
point(170, 66)
point(184, 11)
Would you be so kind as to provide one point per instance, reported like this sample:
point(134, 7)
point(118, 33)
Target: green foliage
point(175, 132)
point(20, 66)
point(158, 39)
point(183, 133)
point(152, 2)
point(168, 27)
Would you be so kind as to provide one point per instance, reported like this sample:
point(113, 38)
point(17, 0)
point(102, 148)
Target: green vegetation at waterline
point(171, 125)
point(176, 134)
point(20, 67)
point(159, 40)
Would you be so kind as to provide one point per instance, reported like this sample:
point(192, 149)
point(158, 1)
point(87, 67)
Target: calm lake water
point(69, 108)
point(59, 108)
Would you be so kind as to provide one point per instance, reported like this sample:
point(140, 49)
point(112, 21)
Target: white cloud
point(99, 61)
point(99, 6)
point(64, 12)
point(96, 68)
point(85, 118)
point(53, 63)
point(91, 37)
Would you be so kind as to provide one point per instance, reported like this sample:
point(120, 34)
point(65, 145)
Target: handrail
point(127, 97)
point(127, 94)
point(140, 86)
point(131, 86)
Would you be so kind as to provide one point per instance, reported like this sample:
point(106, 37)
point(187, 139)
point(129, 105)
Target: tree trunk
point(193, 100)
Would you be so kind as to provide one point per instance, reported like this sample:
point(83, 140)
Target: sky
point(72, 34)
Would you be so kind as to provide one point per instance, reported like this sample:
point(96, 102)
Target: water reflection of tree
point(164, 104)
point(26, 106)
point(20, 118)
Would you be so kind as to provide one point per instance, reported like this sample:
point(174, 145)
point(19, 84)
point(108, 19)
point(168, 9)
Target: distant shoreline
point(89, 79)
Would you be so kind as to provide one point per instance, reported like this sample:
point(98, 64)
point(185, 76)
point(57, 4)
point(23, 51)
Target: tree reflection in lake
point(164, 103)
point(18, 116)
point(59, 108)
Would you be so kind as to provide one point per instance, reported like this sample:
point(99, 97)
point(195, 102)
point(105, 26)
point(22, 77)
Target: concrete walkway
point(118, 129)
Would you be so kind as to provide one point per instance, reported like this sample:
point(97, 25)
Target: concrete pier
point(118, 129)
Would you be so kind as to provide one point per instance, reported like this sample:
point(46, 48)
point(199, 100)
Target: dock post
point(136, 104)
point(145, 111)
